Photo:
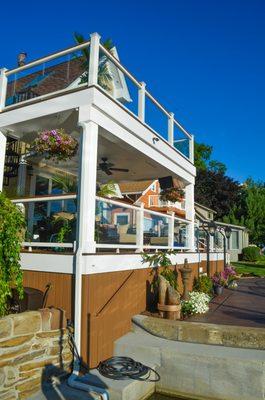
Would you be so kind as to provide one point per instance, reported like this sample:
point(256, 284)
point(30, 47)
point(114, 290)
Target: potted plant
point(230, 276)
point(172, 195)
point(219, 282)
point(55, 144)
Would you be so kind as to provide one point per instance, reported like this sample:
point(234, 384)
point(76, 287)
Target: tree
point(202, 154)
point(217, 191)
point(104, 76)
point(12, 223)
point(203, 161)
point(250, 211)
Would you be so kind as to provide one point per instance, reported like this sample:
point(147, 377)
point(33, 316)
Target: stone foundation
point(33, 346)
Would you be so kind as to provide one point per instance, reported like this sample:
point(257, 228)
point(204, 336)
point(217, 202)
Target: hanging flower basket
point(55, 144)
point(172, 194)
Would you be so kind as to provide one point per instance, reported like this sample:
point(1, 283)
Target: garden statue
point(185, 275)
point(168, 300)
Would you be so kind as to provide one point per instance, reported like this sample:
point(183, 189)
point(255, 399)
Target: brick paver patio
point(244, 306)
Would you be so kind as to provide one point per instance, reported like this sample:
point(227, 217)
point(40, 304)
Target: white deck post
point(3, 87)
point(171, 224)
point(140, 228)
point(86, 208)
point(141, 102)
point(87, 186)
point(191, 148)
point(171, 129)
point(93, 59)
point(2, 158)
point(190, 215)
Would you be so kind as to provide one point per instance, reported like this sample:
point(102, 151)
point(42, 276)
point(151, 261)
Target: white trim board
point(100, 263)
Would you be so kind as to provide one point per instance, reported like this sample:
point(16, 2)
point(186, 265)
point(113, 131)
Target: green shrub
point(251, 253)
point(12, 223)
point(203, 284)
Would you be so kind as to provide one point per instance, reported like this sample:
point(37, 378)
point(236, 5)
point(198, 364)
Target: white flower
point(198, 303)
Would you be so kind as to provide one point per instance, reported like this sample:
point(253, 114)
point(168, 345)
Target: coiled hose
point(120, 368)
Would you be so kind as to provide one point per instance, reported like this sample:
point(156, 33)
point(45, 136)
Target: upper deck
point(91, 66)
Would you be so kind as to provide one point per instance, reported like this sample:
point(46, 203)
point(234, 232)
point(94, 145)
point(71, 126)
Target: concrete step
point(140, 347)
point(128, 389)
point(198, 370)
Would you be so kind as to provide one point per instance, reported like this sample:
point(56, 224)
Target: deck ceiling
point(117, 151)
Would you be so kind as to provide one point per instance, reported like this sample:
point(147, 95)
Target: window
point(153, 187)
point(153, 200)
point(122, 219)
point(234, 241)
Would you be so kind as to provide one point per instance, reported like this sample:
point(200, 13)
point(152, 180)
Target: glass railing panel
point(115, 224)
point(155, 118)
point(155, 229)
point(65, 72)
point(180, 234)
point(181, 142)
point(49, 222)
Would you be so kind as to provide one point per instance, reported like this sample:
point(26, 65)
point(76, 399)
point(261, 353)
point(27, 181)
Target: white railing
point(128, 226)
point(183, 144)
point(27, 205)
point(118, 225)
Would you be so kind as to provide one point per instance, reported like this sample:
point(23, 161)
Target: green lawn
point(251, 268)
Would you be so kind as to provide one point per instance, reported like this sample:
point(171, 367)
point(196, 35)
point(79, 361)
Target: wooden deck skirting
point(109, 301)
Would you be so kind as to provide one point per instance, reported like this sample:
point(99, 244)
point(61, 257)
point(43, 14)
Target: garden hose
point(121, 368)
point(118, 367)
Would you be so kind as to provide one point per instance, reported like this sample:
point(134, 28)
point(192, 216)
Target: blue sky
point(203, 59)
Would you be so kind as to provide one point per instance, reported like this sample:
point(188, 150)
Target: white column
point(190, 214)
point(2, 158)
point(3, 87)
point(171, 129)
point(86, 208)
point(191, 147)
point(87, 186)
point(141, 102)
point(93, 59)
point(140, 228)
point(171, 224)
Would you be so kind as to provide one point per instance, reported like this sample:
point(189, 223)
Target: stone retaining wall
point(203, 333)
point(33, 346)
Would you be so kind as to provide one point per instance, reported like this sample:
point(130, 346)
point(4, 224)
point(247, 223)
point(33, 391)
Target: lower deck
point(114, 288)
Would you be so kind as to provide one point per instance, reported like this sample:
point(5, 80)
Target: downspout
point(73, 380)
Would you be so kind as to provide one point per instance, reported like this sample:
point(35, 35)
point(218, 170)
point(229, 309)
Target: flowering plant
point(56, 144)
point(198, 303)
point(219, 279)
point(172, 194)
point(225, 277)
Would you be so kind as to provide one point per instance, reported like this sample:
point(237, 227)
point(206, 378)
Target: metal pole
point(208, 253)
point(224, 251)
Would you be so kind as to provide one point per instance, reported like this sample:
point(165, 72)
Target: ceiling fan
point(107, 167)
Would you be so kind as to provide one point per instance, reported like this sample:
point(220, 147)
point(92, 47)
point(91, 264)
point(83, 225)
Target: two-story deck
point(73, 238)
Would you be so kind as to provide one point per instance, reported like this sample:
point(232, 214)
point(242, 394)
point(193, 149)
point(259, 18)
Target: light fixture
point(228, 232)
point(212, 228)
